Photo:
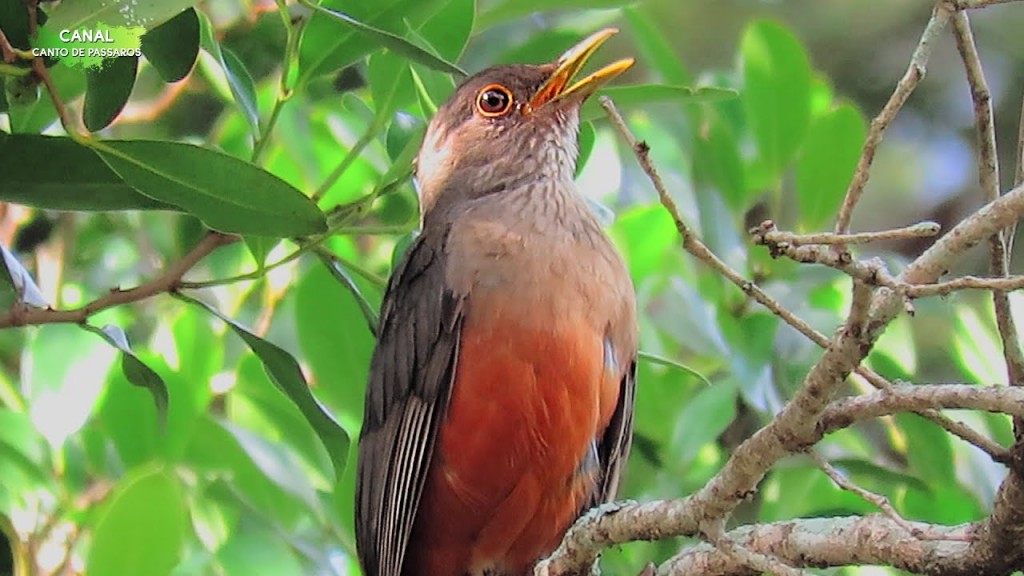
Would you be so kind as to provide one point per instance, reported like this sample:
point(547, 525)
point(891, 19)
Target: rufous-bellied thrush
point(500, 401)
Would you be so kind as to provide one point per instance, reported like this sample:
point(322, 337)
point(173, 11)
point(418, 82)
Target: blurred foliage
point(208, 434)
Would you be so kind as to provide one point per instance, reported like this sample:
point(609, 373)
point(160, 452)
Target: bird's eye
point(494, 100)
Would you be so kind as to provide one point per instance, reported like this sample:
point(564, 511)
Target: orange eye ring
point(494, 100)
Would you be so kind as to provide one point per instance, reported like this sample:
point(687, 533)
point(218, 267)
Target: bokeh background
point(236, 481)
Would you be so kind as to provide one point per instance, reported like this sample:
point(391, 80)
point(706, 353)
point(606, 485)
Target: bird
point(499, 406)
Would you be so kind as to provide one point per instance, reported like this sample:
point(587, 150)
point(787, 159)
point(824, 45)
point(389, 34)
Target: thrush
point(500, 400)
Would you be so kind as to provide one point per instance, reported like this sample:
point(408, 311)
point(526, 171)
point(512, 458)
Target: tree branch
point(904, 88)
point(823, 542)
point(795, 427)
point(21, 315)
point(772, 234)
point(911, 398)
point(988, 179)
point(880, 501)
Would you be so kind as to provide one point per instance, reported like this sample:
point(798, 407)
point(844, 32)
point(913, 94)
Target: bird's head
point(508, 125)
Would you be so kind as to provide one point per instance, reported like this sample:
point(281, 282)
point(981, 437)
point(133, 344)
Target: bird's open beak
point(570, 63)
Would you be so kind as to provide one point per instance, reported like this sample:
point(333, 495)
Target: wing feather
point(613, 449)
point(408, 391)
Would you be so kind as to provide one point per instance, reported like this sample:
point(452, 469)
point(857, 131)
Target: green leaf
point(199, 349)
point(258, 405)
point(935, 465)
point(432, 89)
point(173, 46)
point(14, 23)
point(285, 373)
point(655, 49)
point(70, 84)
point(260, 247)
point(945, 503)
point(107, 91)
point(703, 418)
point(448, 30)
point(142, 529)
point(335, 342)
point(391, 85)
point(236, 480)
point(342, 276)
point(57, 173)
point(226, 193)
point(401, 166)
point(512, 9)
point(679, 366)
point(22, 91)
point(243, 89)
point(326, 46)
point(401, 131)
point(648, 238)
point(542, 47)
point(258, 548)
point(134, 369)
point(22, 446)
point(130, 423)
point(88, 13)
point(976, 346)
point(827, 163)
point(392, 41)
point(896, 347)
point(776, 91)
point(717, 161)
point(626, 96)
point(877, 477)
point(277, 462)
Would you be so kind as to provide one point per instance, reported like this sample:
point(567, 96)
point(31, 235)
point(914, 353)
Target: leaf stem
point(284, 92)
point(347, 161)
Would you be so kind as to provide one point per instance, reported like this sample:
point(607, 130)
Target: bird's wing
point(613, 447)
point(410, 383)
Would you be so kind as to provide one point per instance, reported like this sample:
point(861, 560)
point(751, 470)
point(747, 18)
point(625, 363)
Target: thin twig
point(974, 4)
point(21, 315)
point(988, 179)
point(911, 78)
point(880, 501)
point(919, 230)
point(7, 50)
point(39, 68)
point(1018, 172)
point(1009, 233)
point(10, 54)
point(912, 397)
point(965, 283)
point(347, 161)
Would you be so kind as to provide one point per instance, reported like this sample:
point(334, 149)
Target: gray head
point(507, 125)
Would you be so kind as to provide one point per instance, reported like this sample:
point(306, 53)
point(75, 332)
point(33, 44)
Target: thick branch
point(823, 542)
